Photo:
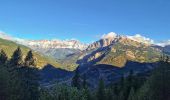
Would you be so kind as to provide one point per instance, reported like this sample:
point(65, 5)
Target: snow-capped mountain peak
point(52, 44)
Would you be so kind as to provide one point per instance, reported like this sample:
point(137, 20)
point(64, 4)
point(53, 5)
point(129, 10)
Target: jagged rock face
point(118, 50)
point(102, 43)
point(118, 39)
point(130, 54)
point(54, 44)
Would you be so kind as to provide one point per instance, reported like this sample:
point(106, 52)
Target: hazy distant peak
point(47, 44)
point(5, 36)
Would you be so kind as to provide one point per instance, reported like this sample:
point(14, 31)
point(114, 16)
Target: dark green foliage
point(131, 87)
point(3, 57)
point(18, 82)
point(14, 66)
point(16, 59)
point(101, 90)
point(131, 94)
point(29, 60)
point(109, 95)
point(84, 82)
point(76, 82)
point(29, 78)
point(4, 83)
point(45, 95)
point(29, 83)
point(157, 86)
point(87, 94)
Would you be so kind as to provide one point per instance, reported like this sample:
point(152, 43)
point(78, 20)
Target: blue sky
point(85, 20)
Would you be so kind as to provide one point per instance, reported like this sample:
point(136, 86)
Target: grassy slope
point(9, 47)
point(141, 54)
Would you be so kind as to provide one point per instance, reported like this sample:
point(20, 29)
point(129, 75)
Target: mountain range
point(111, 49)
point(109, 57)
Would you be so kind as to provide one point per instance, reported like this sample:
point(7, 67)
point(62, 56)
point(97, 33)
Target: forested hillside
point(19, 80)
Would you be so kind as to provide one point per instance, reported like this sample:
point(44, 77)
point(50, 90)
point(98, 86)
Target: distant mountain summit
point(111, 49)
point(55, 44)
point(116, 50)
point(112, 38)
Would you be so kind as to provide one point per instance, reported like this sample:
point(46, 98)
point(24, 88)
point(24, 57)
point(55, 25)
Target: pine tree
point(3, 57)
point(121, 89)
point(115, 91)
point(29, 60)
point(4, 77)
point(122, 83)
point(109, 94)
point(15, 81)
point(76, 79)
point(86, 94)
point(142, 93)
point(131, 94)
point(157, 86)
point(16, 59)
point(159, 82)
point(45, 95)
point(4, 83)
point(101, 90)
point(29, 77)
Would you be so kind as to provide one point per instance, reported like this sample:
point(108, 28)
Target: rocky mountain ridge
point(55, 44)
point(112, 38)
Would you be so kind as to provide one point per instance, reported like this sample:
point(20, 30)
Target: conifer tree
point(29, 77)
point(87, 94)
point(16, 59)
point(157, 86)
point(4, 83)
point(159, 82)
point(16, 63)
point(101, 90)
point(3, 57)
point(109, 94)
point(115, 91)
point(29, 60)
point(131, 94)
point(76, 79)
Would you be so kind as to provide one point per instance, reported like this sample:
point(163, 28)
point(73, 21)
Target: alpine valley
point(109, 57)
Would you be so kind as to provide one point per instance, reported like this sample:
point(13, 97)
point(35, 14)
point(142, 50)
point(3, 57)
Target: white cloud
point(141, 38)
point(163, 43)
point(109, 35)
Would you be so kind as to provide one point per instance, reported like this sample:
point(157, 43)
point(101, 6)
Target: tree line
point(19, 80)
point(18, 76)
point(154, 86)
